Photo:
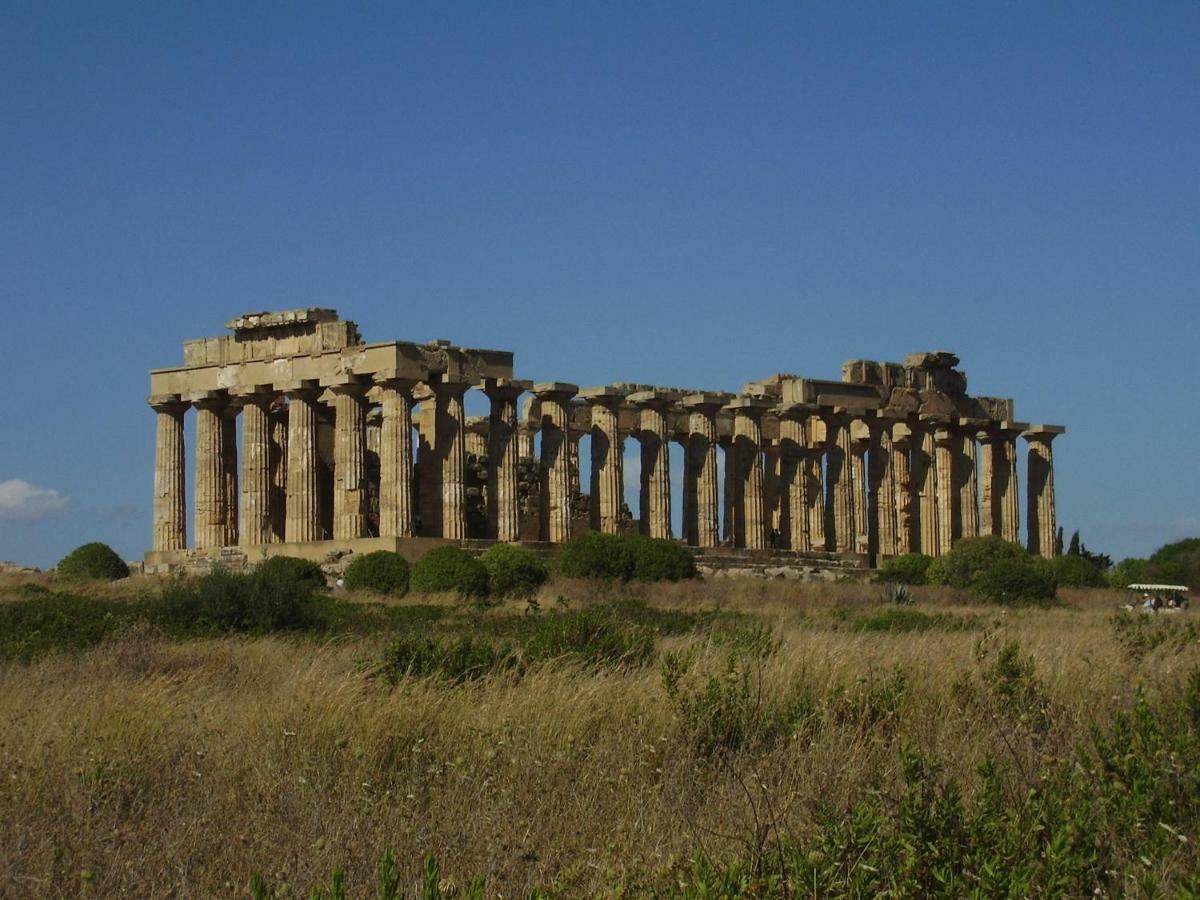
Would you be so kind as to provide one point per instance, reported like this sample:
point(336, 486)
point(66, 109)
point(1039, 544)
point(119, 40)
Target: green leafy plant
point(275, 599)
point(292, 570)
point(1022, 580)
point(513, 571)
point(94, 560)
point(450, 570)
point(657, 559)
point(1077, 571)
point(969, 557)
point(608, 557)
point(911, 568)
point(382, 571)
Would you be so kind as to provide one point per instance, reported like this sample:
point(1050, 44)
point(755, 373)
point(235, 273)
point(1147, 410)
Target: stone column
point(882, 494)
point(278, 457)
point(747, 440)
point(703, 522)
point(450, 446)
point(793, 485)
point(555, 512)
point(860, 446)
point(1010, 504)
point(396, 512)
point(839, 483)
point(814, 478)
point(655, 516)
point(947, 445)
point(303, 519)
point(773, 502)
point(349, 461)
point(170, 510)
point(608, 460)
point(529, 424)
point(902, 442)
point(1040, 512)
point(504, 514)
point(926, 529)
point(991, 462)
point(211, 499)
point(255, 522)
point(967, 480)
point(229, 472)
point(732, 502)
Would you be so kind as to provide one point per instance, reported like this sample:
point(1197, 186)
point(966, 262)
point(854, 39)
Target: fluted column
point(303, 519)
point(229, 471)
point(860, 446)
point(702, 512)
point(839, 483)
point(450, 445)
point(747, 437)
point(278, 461)
point(882, 494)
point(902, 442)
point(349, 461)
point(555, 512)
point(655, 516)
point(967, 480)
point(1040, 512)
point(947, 445)
point(814, 478)
point(170, 510)
point(608, 460)
point(1010, 503)
point(396, 509)
point(926, 529)
point(991, 462)
point(255, 521)
point(504, 514)
point(734, 510)
point(793, 485)
point(530, 421)
point(211, 499)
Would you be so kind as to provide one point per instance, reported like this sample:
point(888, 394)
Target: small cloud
point(21, 501)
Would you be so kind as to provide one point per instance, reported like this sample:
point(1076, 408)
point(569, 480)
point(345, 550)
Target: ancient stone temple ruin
point(348, 446)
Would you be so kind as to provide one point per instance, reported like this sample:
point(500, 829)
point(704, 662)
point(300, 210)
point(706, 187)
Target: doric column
point(734, 509)
point(992, 471)
point(793, 485)
point(530, 421)
point(229, 471)
point(947, 444)
point(450, 446)
point(608, 461)
point(702, 521)
point(1040, 512)
point(655, 516)
point(839, 482)
point(926, 529)
point(396, 512)
point(170, 510)
point(555, 512)
point(504, 514)
point(817, 438)
point(967, 479)
point(747, 439)
point(349, 460)
point(278, 420)
point(428, 479)
point(881, 495)
point(211, 499)
point(303, 519)
point(255, 521)
point(902, 445)
point(860, 446)
point(1010, 503)
point(475, 435)
point(773, 503)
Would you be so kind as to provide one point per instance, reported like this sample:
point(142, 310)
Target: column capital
point(555, 391)
point(750, 407)
point(395, 380)
point(1043, 434)
point(214, 400)
point(505, 388)
point(167, 403)
point(653, 399)
point(258, 394)
point(705, 401)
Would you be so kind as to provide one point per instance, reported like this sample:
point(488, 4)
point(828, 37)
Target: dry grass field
point(739, 757)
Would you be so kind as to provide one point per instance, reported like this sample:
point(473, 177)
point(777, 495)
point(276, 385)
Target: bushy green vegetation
point(1077, 571)
point(622, 557)
point(42, 621)
point(995, 570)
point(292, 569)
point(277, 598)
point(450, 570)
point(911, 568)
point(657, 559)
point(382, 571)
point(513, 571)
point(1177, 563)
point(94, 560)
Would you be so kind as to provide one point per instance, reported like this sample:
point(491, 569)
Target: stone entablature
point(346, 441)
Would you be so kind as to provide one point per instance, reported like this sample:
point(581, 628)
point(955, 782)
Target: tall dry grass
point(150, 768)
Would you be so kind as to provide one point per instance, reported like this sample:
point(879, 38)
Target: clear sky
point(697, 194)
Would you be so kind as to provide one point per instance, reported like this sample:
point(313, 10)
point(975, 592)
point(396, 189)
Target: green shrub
point(1076, 571)
point(382, 571)
point(588, 636)
point(94, 560)
point(513, 571)
point(969, 557)
point(290, 570)
point(463, 659)
point(1177, 563)
point(449, 570)
point(279, 599)
point(43, 621)
point(609, 557)
point(1128, 571)
point(656, 559)
point(911, 568)
point(1027, 579)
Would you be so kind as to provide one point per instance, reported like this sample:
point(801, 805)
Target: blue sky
point(696, 194)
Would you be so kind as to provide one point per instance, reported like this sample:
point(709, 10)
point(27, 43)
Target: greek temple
point(351, 446)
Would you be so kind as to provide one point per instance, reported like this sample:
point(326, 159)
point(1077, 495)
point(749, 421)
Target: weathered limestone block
point(504, 517)
point(303, 518)
point(556, 463)
point(750, 526)
point(255, 526)
point(608, 461)
point(170, 509)
point(653, 436)
point(1040, 512)
point(396, 506)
